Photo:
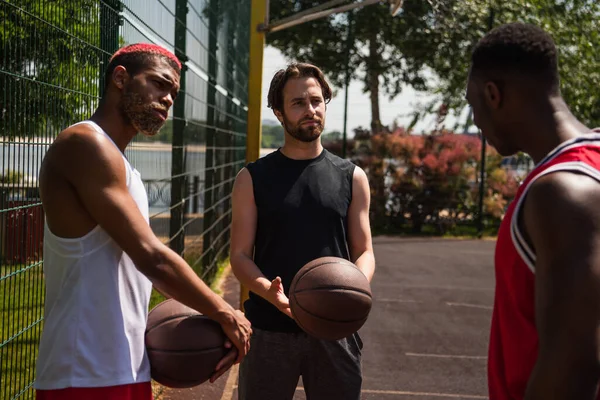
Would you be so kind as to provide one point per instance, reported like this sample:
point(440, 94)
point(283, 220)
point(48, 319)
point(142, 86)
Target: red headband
point(147, 48)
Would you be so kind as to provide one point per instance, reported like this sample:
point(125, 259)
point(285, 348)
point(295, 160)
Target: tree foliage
point(431, 180)
point(428, 46)
point(51, 55)
point(573, 24)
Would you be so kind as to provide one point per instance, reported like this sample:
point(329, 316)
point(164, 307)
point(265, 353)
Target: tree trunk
point(373, 83)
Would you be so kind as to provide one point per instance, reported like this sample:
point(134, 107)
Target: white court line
point(406, 393)
point(469, 305)
point(424, 394)
point(230, 384)
point(427, 394)
point(395, 301)
point(445, 356)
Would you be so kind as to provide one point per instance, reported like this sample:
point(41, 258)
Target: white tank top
point(95, 309)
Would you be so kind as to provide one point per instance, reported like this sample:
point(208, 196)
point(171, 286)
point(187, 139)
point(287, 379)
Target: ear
point(120, 76)
point(278, 115)
point(492, 95)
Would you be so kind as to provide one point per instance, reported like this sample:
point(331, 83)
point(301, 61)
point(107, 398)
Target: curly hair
point(517, 47)
point(136, 57)
point(295, 70)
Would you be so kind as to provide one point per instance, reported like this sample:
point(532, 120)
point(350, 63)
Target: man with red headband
point(101, 258)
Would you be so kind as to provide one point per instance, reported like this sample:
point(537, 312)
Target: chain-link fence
point(51, 75)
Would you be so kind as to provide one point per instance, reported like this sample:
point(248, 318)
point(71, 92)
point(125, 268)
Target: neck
point(298, 150)
point(553, 125)
point(114, 124)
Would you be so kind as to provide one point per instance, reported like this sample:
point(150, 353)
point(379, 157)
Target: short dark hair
point(518, 47)
point(295, 70)
point(138, 56)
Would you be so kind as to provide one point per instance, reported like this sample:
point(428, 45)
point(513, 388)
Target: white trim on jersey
point(588, 139)
point(526, 253)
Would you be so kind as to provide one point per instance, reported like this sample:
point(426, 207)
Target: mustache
point(317, 120)
point(159, 107)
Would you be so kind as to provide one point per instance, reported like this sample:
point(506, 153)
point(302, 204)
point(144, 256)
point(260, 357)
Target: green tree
point(382, 54)
point(331, 136)
point(49, 75)
point(438, 36)
point(272, 136)
point(572, 23)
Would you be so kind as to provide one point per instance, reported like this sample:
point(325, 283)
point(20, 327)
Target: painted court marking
point(230, 385)
point(468, 305)
point(395, 301)
point(229, 396)
point(445, 356)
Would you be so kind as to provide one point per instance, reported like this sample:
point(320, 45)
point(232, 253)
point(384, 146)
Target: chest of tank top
point(316, 194)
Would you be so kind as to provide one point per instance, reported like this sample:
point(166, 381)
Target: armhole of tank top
point(351, 179)
point(128, 171)
point(524, 250)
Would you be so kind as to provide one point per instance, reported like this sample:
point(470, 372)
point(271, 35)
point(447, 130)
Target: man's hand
point(226, 362)
point(277, 297)
point(238, 329)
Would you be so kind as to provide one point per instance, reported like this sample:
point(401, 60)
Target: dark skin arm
point(562, 219)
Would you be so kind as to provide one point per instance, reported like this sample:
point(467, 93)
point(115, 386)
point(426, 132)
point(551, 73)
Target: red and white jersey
point(514, 339)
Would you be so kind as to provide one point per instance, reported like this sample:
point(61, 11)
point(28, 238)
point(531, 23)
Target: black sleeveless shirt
point(302, 208)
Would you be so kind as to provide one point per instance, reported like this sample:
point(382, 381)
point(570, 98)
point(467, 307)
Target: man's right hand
point(238, 329)
point(277, 297)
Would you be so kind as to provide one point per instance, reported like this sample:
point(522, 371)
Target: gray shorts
point(329, 369)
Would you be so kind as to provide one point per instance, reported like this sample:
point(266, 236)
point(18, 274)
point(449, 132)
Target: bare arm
point(562, 220)
point(359, 228)
point(243, 233)
point(96, 170)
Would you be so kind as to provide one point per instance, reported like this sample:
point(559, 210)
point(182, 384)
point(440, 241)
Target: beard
point(142, 116)
point(304, 134)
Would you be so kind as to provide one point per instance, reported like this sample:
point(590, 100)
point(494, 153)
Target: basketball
point(330, 298)
point(183, 346)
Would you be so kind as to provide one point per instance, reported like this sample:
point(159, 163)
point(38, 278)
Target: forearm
point(163, 293)
point(366, 263)
point(249, 274)
point(171, 275)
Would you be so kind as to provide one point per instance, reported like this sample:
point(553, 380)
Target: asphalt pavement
point(427, 334)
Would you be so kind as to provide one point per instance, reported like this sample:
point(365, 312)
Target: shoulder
point(564, 188)
point(340, 163)
point(561, 202)
point(263, 162)
point(84, 138)
point(81, 149)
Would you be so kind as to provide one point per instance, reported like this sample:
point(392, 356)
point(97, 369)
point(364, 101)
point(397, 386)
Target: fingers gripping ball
point(330, 298)
point(183, 346)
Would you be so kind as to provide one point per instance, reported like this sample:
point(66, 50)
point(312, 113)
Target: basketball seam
point(187, 352)
point(325, 319)
point(325, 263)
point(298, 277)
point(170, 318)
point(334, 288)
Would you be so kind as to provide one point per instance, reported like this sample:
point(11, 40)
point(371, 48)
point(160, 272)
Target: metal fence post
point(177, 156)
point(110, 20)
point(210, 174)
point(253, 136)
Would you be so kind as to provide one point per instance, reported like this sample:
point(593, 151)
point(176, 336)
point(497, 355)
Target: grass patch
point(21, 300)
point(214, 280)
